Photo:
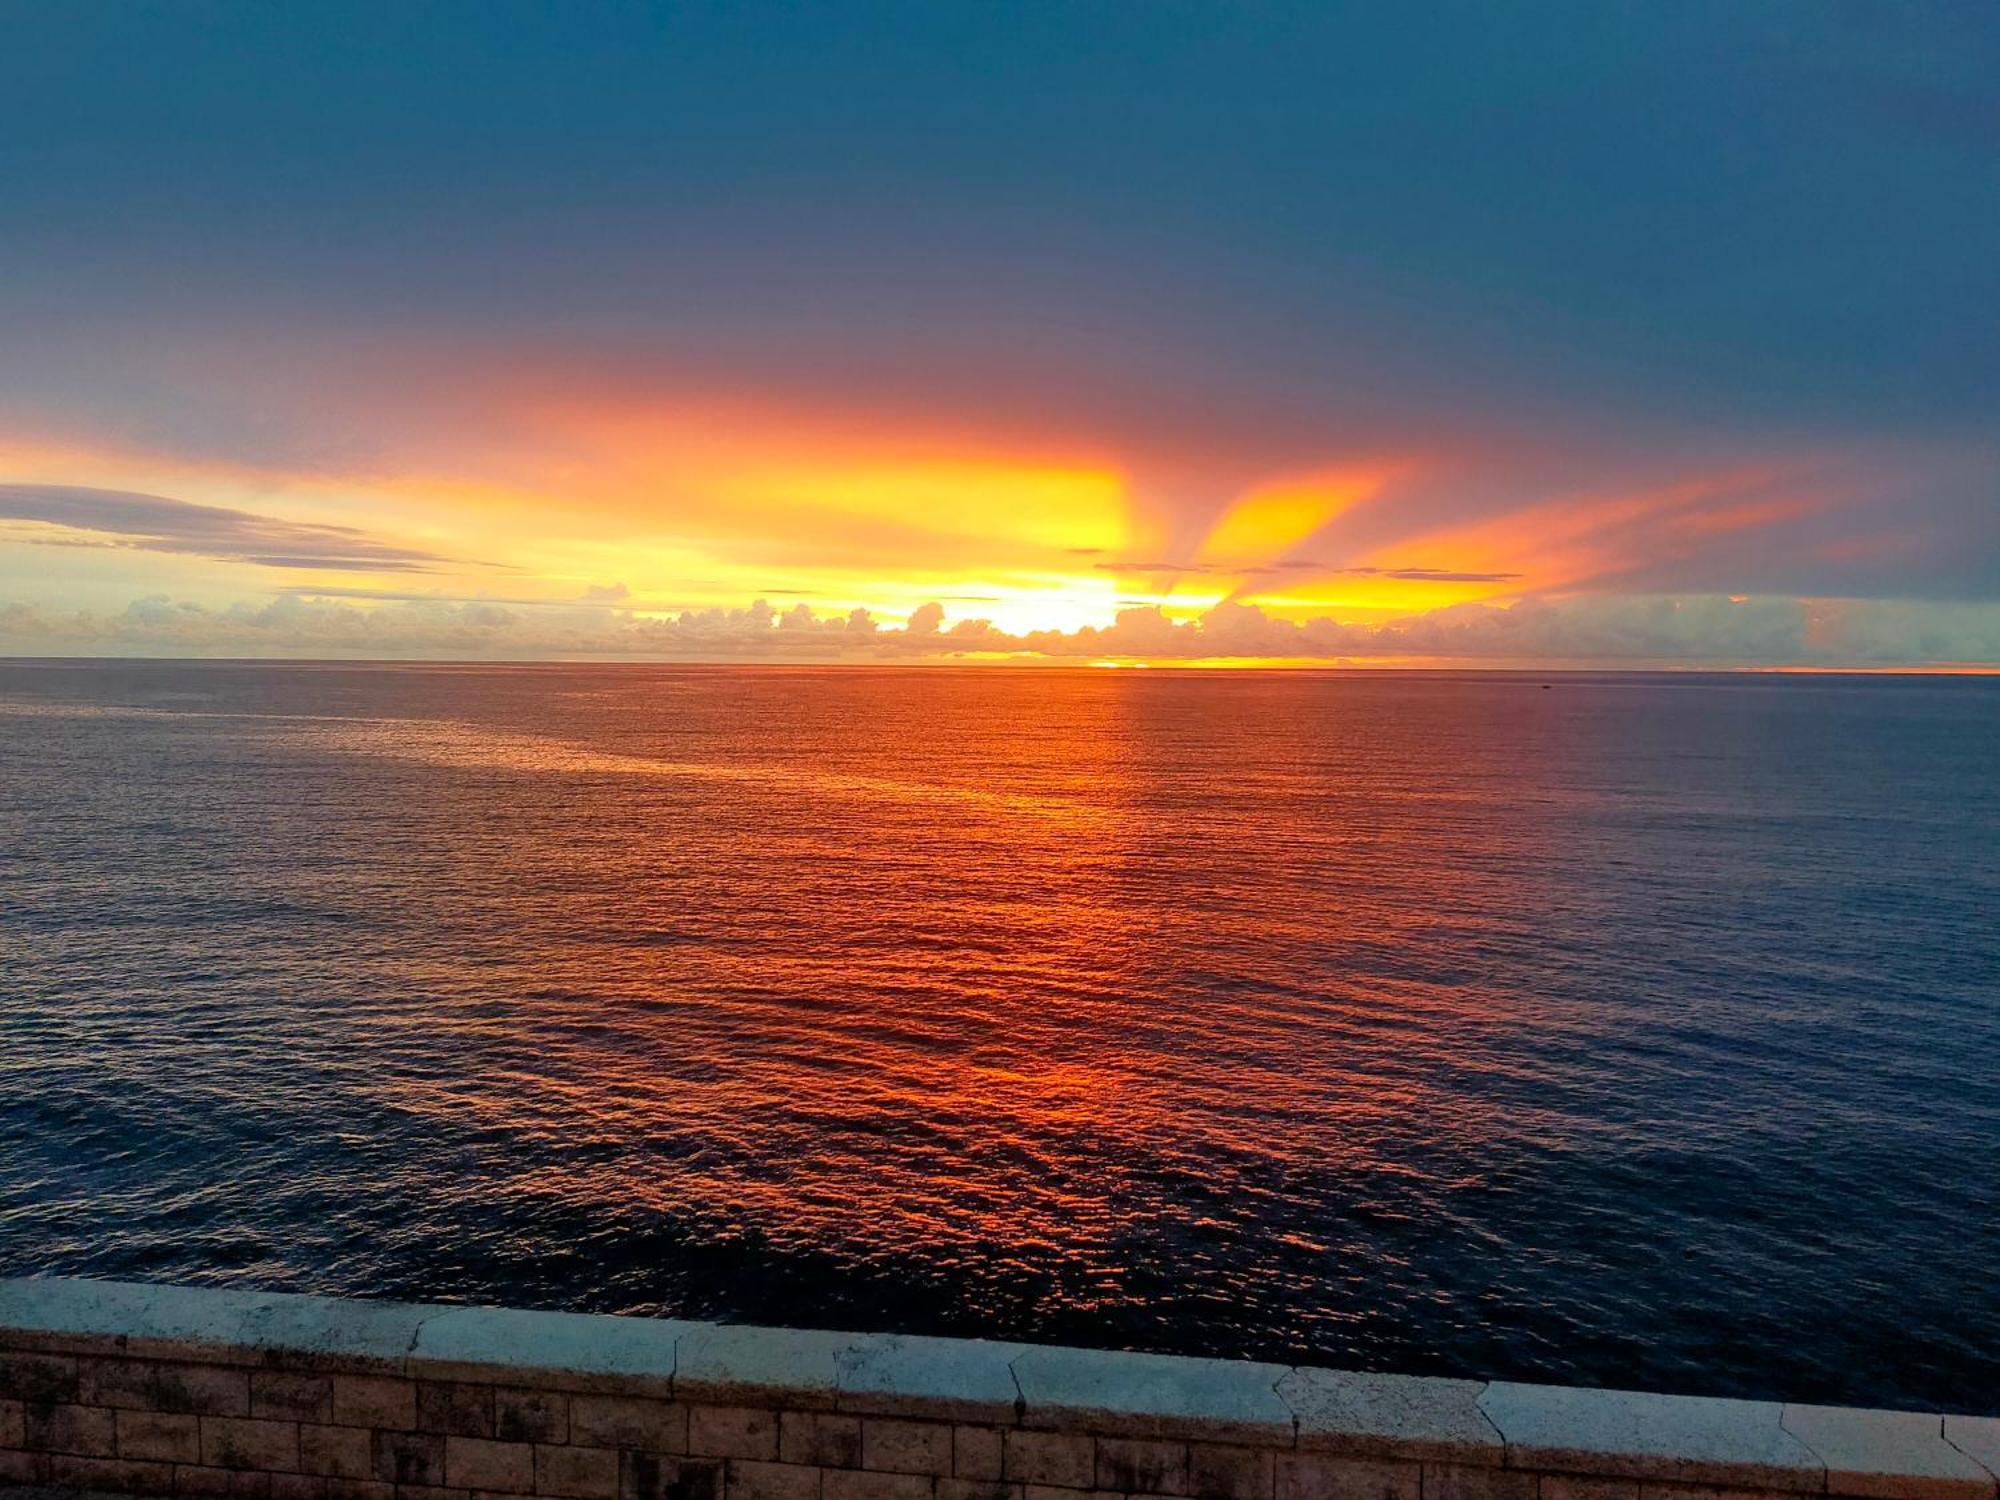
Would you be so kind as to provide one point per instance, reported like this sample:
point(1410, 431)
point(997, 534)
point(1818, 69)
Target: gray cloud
point(157, 523)
point(1694, 630)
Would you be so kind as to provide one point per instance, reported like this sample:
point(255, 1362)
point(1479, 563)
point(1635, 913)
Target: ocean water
point(1628, 1030)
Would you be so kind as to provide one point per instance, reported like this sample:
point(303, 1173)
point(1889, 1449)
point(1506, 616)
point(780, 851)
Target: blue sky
point(487, 281)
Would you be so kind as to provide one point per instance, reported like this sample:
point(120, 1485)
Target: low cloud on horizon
point(1656, 630)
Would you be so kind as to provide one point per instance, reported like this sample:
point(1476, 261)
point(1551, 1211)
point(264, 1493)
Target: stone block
point(859, 1484)
point(338, 1452)
point(1053, 1492)
point(1978, 1438)
point(1339, 1476)
point(455, 1408)
point(1584, 1487)
point(576, 1473)
point(85, 1431)
point(407, 1457)
point(385, 1401)
point(37, 1377)
point(750, 1480)
point(744, 1366)
point(249, 1443)
point(968, 1380)
point(1887, 1455)
point(1390, 1416)
point(1142, 1466)
point(20, 1467)
point(977, 1489)
point(899, 1446)
point(821, 1438)
point(483, 1464)
point(731, 1432)
point(293, 1396)
point(1055, 1458)
point(431, 1492)
point(629, 1422)
point(1152, 1395)
point(13, 1425)
point(1627, 1434)
point(358, 1489)
point(158, 1385)
point(1660, 1489)
point(554, 1351)
point(1476, 1482)
point(1227, 1471)
point(164, 1437)
point(530, 1416)
point(298, 1487)
point(653, 1476)
point(976, 1453)
point(221, 1484)
point(126, 1476)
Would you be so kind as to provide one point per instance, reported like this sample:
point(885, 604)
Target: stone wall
point(165, 1390)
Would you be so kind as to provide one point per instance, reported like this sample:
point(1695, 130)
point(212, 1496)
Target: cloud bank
point(1653, 630)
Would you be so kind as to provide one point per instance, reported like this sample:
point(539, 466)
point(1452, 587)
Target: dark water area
point(1639, 1031)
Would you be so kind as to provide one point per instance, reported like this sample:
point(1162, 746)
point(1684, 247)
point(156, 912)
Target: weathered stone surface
point(732, 1432)
point(1889, 1455)
point(37, 1377)
point(17, 1467)
point(752, 1480)
point(1337, 1476)
point(1628, 1434)
point(1444, 1481)
point(858, 1484)
point(975, 1453)
point(563, 1351)
point(576, 1473)
point(164, 1437)
point(1390, 1416)
point(290, 1395)
point(249, 1443)
point(408, 1457)
point(455, 1409)
point(732, 1365)
point(162, 1385)
point(1152, 1395)
point(54, 1427)
point(629, 1422)
point(899, 1446)
point(482, 1464)
point(1061, 1458)
point(976, 1489)
point(1978, 1438)
point(1585, 1487)
point(650, 1476)
point(338, 1452)
point(530, 1416)
point(1226, 1471)
point(375, 1401)
point(125, 1476)
point(1147, 1466)
point(970, 1380)
point(202, 1323)
point(297, 1487)
point(820, 1438)
point(12, 1424)
point(221, 1484)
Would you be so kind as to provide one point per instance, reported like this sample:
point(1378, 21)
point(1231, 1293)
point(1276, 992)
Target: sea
point(1610, 1029)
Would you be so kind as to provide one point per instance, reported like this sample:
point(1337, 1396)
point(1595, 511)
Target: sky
point(1495, 331)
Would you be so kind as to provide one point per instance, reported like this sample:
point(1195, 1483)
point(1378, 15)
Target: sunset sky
point(1592, 332)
